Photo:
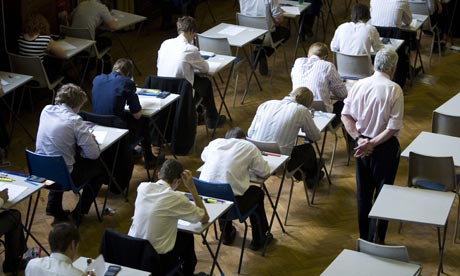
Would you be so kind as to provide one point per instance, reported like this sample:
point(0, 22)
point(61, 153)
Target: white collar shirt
point(356, 39)
point(178, 58)
point(56, 264)
point(375, 103)
point(280, 121)
point(390, 13)
point(156, 213)
point(260, 8)
point(61, 131)
point(231, 161)
point(320, 77)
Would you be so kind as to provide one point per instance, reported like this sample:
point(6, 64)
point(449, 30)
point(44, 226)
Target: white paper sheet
point(291, 10)
point(232, 30)
point(149, 102)
point(66, 46)
point(4, 82)
point(183, 222)
point(100, 136)
point(97, 265)
point(13, 190)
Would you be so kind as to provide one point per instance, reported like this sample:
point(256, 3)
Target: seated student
point(178, 58)
point(231, 160)
point(11, 227)
point(158, 208)
point(61, 131)
point(36, 41)
point(280, 121)
point(110, 95)
point(64, 240)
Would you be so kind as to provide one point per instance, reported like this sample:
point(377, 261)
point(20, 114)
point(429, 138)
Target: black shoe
point(153, 161)
point(228, 239)
point(263, 66)
point(256, 245)
point(216, 122)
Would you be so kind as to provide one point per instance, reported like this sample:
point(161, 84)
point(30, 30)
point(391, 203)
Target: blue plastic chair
point(53, 167)
point(224, 191)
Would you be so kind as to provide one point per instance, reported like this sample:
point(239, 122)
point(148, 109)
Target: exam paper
point(13, 190)
point(97, 265)
point(291, 10)
point(66, 46)
point(183, 222)
point(149, 102)
point(100, 136)
point(4, 82)
point(232, 30)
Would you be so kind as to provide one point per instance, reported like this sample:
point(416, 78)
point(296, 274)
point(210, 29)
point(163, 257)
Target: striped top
point(34, 48)
point(280, 121)
point(320, 77)
point(390, 13)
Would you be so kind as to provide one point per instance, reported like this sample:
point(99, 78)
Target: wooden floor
point(314, 235)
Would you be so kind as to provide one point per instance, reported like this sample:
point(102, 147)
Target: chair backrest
point(353, 66)
point(218, 45)
point(121, 249)
point(258, 22)
point(103, 120)
point(437, 170)
point(51, 167)
point(398, 252)
point(83, 33)
point(270, 146)
point(419, 7)
point(31, 66)
point(446, 124)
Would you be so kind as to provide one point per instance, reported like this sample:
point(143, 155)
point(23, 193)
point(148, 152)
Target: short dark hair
point(186, 24)
point(360, 12)
point(62, 235)
point(124, 66)
point(235, 132)
point(171, 170)
point(71, 95)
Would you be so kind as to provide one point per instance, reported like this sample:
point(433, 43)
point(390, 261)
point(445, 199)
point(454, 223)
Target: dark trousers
point(11, 227)
point(139, 131)
point(337, 110)
point(184, 249)
point(259, 224)
point(304, 155)
point(371, 173)
point(203, 87)
point(84, 170)
point(280, 33)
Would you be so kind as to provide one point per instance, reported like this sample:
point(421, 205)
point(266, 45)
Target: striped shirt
point(34, 48)
point(320, 77)
point(390, 13)
point(280, 121)
point(356, 39)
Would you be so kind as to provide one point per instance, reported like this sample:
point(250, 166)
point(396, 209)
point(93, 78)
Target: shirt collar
point(381, 74)
point(60, 257)
point(163, 183)
point(313, 58)
point(182, 38)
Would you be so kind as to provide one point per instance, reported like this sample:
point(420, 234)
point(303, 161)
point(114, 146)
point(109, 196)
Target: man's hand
point(187, 180)
point(364, 148)
point(4, 195)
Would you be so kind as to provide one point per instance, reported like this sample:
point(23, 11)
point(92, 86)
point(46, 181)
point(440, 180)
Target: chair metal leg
point(333, 153)
point(456, 221)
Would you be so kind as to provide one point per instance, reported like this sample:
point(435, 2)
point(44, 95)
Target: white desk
point(216, 64)
point(415, 205)
point(433, 144)
point(393, 44)
point(355, 263)
point(451, 107)
point(417, 22)
point(292, 10)
point(81, 264)
point(215, 211)
point(73, 45)
point(152, 105)
point(124, 20)
point(238, 36)
point(11, 81)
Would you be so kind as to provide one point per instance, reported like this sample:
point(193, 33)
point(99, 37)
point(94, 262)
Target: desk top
point(81, 264)
point(412, 205)
point(126, 19)
point(19, 189)
point(293, 9)
point(218, 62)
point(11, 81)
point(73, 45)
point(393, 44)
point(417, 22)
point(434, 144)
point(355, 263)
point(215, 210)
point(451, 107)
point(321, 119)
point(237, 36)
point(151, 105)
point(107, 136)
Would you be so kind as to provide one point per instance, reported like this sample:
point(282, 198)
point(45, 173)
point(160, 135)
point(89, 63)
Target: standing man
point(231, 160)
point(373, 116)
point(274, 15)
point(321, 77)
point(157, 209)
point(61, 131)
point(179, 58)
point(11, 227)
point(280, 121)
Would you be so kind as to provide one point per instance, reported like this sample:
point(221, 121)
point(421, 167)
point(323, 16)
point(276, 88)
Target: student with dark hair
point(157, 209)
point(230, 160)
point(64, 240)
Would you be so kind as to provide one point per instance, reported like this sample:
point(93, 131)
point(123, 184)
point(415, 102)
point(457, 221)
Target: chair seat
point(430, 185)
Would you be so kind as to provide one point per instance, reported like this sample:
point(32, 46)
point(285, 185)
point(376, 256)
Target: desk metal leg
point(16, 119)
point(441, 245)
point(130, 47)
point(28, 224)
point(253, 73)
point(321, 165)
point(222, 98)
point(299, 34)
point(214, 257)
point(330, 13)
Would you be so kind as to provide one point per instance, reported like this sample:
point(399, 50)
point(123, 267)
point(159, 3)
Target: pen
point(270, 153)
point(6, 179)
point(213, 200)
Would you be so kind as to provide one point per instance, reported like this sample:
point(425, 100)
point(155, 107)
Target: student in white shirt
point(231, 160)
point(390, 13)
point(158, 208)
point(64, 240)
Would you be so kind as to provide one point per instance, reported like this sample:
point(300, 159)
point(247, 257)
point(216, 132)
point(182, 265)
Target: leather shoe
point(256, 245)
point(228, 239)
